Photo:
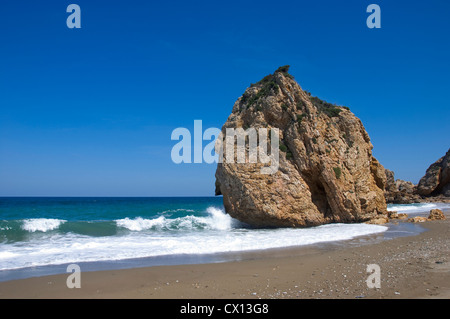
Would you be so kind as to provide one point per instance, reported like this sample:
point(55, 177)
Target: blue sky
point(90, 111)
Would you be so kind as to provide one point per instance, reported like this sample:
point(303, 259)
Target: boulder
point(436, 214)
point(325, 173)
point(399, 191)
point(392, 214)
point(378, 221)
point(417, 219)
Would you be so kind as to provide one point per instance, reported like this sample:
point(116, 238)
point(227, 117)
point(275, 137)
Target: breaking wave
point(216, 219)
point(41, 224)
point(41, 241)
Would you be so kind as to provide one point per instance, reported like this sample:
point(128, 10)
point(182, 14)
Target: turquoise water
point(23, 218)
point(42, 232)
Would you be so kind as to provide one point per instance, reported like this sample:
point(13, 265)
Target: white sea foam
point(219, 220)
point(7, 254)
point(177, 210)
point(139, 223)
point(419, 208)
point(216, 219)
point(214, 233)
point(41, 224)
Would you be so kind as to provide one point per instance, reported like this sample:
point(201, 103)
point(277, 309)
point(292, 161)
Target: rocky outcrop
point(433, 187)
point(326, 172)
point(396, 215)
point(390, 186)
point(417, 219)
point(437, 178)
point(436, 214)
point(399, 191)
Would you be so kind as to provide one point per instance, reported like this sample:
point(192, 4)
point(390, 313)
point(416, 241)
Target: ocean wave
point(217, 219)
point(139, 223)
point(177, 210)
point(68, 248)
point(41, 224)
point(417, 208)
point(211, 231)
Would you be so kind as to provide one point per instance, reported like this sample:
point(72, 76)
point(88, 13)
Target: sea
point(43, 235)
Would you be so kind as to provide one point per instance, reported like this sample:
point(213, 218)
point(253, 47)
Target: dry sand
point(411, 267)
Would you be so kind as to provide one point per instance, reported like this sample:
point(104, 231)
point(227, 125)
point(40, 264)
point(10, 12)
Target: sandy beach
point(410, 267)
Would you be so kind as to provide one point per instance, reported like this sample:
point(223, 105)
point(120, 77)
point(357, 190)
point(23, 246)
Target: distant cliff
point(326, 169)
point(400, 191)
point(434, 186)
point(437, 178)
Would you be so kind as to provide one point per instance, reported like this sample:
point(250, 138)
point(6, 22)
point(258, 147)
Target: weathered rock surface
point(392, 214)
point(433, 187)
point(437, 178)
point(399, 191)
point(436, 214)
point(417, 219)
point(326, 169)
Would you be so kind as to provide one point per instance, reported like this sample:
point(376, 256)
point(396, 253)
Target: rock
point(402, 216)
point(437, 178)
point(399, 191)
point(405, 187)
point(433, 187)
point(392, 214)
point(390, 181)
point(436, 214)
point(326, 172)
point(378, 221)
point(446, 190)
point(417, 219)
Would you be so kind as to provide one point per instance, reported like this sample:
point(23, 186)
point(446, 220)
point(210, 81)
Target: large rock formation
point(400, 191)
point(433, 187)
point(437, 178)
point(326, 169)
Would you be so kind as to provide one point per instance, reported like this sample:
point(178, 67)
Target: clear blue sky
point(89, 112)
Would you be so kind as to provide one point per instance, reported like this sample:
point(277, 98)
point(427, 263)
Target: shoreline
point(393, 230)
point(415, 266)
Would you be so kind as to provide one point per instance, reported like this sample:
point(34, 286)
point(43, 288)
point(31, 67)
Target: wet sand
point(410, 267)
